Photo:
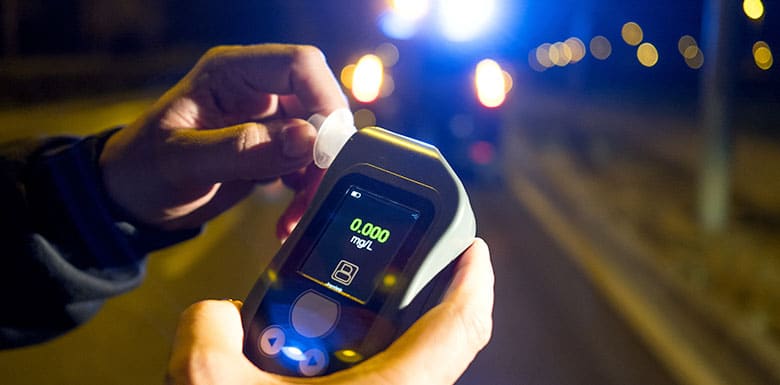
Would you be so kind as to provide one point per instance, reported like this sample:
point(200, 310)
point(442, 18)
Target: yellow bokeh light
point(553, 55)
point(762, 55)
point(632, 33)
point(562, 54)
point(694, 58)
point(388, 52)
point(684, 43)
point(364, 118)
point(691, 52)
point(508, 82)
point(543, 55)
point(367, 78)
point(758, 45)
point(647, 54)
point(754, 9)
point(600, 47)
point(490, 83)
point(346, 75)
point(577, 48)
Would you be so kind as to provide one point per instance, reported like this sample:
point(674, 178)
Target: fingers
point(208, 343)
point(250, 151)
point(273, 69)
point(452, 332)
point(305, 185)
point(216, 324)
point(226, 195)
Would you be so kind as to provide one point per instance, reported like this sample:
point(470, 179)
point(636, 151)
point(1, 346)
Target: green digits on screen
point(370, 230)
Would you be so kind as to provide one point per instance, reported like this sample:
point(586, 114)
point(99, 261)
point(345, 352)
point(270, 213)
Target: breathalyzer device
point(371, 254)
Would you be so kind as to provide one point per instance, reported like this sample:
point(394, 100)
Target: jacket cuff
point(72, 208)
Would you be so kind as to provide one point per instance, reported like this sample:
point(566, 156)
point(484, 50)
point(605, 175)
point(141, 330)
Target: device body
point(364, 262)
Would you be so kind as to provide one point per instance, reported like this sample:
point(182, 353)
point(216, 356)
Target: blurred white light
point(397, 27)
point(491, 84)
point(463, 20)
point(410, 9)
point(367, 78)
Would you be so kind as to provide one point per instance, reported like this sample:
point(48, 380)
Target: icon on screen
point(345, 272)
point(356, 194)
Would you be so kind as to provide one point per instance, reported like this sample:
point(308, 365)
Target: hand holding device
point(388, 217)
point(208, 347)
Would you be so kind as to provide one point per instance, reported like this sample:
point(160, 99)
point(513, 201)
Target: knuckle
point(217, 51)
point(214, 57)
point(307, 56)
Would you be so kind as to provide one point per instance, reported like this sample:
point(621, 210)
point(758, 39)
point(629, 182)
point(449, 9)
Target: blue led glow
point(294, 353)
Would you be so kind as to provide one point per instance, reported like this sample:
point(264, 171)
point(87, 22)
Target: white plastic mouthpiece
point(333, 131)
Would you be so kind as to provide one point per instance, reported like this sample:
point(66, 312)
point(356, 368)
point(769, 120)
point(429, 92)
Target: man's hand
point(208, 348)
point(231, 122)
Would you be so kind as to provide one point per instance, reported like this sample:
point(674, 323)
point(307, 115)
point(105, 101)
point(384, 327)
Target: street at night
point(621, 161)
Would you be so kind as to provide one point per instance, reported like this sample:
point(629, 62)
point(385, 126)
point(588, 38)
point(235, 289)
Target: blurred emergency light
point(401, 19)
point(492, 83)
point(463, 20)
point(410, 9)
point(367, 78)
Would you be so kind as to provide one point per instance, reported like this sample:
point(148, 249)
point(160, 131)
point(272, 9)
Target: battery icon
point(355, 194)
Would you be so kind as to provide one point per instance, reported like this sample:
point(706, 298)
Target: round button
point(272, 340)
point(313, 363)
point(314, 315)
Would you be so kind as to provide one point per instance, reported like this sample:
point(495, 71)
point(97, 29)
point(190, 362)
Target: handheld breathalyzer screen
point(372, 253)
point(360, 240)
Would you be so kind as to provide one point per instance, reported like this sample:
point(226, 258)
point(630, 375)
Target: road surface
point(551, 325)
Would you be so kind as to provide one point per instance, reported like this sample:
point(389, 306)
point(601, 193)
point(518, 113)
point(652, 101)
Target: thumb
point(453, 332)
point(248, 151)
point(208, 348)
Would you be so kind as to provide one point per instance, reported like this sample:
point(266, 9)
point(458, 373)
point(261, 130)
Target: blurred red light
point(482, 152)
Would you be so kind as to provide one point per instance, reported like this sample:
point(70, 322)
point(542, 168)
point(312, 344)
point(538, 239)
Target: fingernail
point(297, 140)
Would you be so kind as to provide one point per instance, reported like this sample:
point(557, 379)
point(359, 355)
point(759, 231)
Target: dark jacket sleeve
point(65, 248)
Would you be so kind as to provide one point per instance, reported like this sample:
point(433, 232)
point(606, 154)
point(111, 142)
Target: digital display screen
point(358, 243)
